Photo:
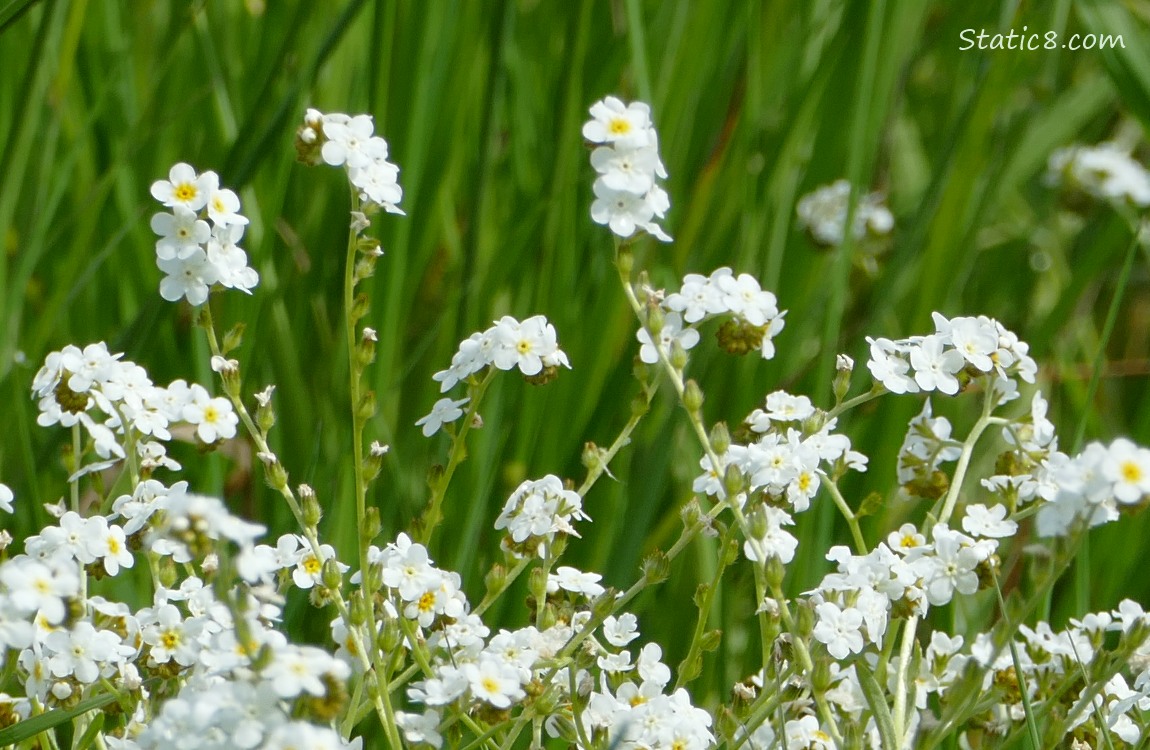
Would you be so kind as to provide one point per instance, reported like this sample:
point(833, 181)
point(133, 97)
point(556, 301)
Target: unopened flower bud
point(365, 350)
point(331, 576)
point(210, 564)
point(821, 674)
point(720, 438)
point(775, 572)
point(168, 573)
point(625, 261)
point(311, 510)
point(733, 481)
point(804, 619)
point(367, 407)
point(692, 397)
point(277, 475)
point(842, 381)
point(537, 583)
point(359, 308)
point(372, 464)
point(358, 609)
point(655, 320)
point(371, 524)
point(496, 578)
point(591, 457)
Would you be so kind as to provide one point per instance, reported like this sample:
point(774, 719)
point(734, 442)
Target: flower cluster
point(960, 349)
point(195, 255)
point(1106, 172)
point(823, 213)
point(755, 318)
point(530, 345)
point(626, 157)
point(536, 511)
point(341, 140)
point(119, 406)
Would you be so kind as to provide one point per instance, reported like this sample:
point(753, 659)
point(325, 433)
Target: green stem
point(851, 519)
point(434, 513)
point(964, 459)
point(695, 649)
point(74, 485)
point(901, 683)
point(354, 376)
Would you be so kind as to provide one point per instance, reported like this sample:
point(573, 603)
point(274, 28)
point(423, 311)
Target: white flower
point(493, 681)
point(624, 125)
point(1128, 466)
point(622, 630)
point(352, 143)
point(628, 170)
point(181, 233)
point(183, 188)
point(783, 407)
point(213, 418)
point(839, 629)
point(420, 728)
point(988, 522)
point(575, 581)
point(6, 498)
point(223, 208)
point(888, 365)
point(934, 367)
point(444, 411)
point(190, 277)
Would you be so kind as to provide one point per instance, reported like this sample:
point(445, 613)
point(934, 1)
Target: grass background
point(756, 104)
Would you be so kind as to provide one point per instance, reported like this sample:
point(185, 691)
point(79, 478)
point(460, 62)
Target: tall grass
point(757, 103)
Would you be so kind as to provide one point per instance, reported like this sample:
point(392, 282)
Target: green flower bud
point(366, 408)
point(311, 510)
point(733, 480)
point(692, 397)
point(678, 356)
point(331, 576)
point(359, 610)
point(626, 262)
point(720, 438)
point(655, 320)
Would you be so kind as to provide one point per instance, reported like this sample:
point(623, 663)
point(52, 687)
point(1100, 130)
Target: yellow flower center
point(490, 685)
point(1131, 472)
point(619, 126)
point(908, 540)
point(311, 565)
point(211, 415)
point(113, 546)
point(426, 602)
point(523, 346)
point(170, 639)
point(185, 192)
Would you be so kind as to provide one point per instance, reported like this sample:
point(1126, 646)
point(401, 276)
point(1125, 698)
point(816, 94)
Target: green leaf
point(42, 723)
point(876, 699)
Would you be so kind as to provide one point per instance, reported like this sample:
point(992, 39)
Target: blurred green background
point(756, 103)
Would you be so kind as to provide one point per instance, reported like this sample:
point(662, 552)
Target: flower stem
point(354, 376)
